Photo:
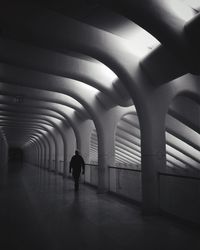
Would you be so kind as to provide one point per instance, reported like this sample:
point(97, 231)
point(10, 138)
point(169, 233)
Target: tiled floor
point(41, 211)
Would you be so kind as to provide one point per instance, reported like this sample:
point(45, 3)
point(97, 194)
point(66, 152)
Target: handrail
point(130, 169)
point(91, 165)
point(179, 176)
point(61, 164)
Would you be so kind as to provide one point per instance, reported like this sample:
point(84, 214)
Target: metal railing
point(92, 165)
point(179, 176)
point(53, 169)
point(118, 173)
point(91, 174)
point(129, 169)
point(61, 167)
point(49, 164)
point(125, 182)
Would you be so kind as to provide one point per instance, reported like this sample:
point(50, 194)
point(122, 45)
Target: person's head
point(76, 152)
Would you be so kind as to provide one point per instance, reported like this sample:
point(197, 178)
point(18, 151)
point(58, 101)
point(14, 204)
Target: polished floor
point(41, 211)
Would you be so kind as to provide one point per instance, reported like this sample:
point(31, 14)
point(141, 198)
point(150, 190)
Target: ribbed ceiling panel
point(127, 142)
point(182, 142)
point(93, 148)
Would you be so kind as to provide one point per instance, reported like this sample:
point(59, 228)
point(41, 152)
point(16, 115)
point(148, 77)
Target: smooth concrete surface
point(180, 197)
point(41, 211)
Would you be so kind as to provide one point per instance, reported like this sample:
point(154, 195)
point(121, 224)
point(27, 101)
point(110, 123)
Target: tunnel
point(111, 87)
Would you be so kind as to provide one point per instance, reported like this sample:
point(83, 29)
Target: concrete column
point(106, 142)
point(153, 160)
point(153, 152)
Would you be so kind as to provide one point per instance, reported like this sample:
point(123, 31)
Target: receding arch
point(125, 175)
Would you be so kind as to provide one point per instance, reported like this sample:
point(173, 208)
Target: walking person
point(76, 164)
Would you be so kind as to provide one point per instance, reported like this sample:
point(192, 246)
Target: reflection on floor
point(41, 211)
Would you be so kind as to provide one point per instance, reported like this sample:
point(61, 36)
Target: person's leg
point(76, 176)
point(76, 183)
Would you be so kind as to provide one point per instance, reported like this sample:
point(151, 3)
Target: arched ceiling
point(50, 53)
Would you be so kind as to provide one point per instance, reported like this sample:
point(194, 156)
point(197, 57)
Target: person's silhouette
point(76, 164)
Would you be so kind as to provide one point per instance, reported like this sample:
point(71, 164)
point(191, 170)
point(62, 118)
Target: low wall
point(180, 196)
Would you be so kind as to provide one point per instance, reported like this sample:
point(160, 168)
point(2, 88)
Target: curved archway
point(125, 175)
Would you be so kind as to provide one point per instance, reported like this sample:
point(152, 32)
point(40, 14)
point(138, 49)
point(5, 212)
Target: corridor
point(117, 83)
point(40, 210)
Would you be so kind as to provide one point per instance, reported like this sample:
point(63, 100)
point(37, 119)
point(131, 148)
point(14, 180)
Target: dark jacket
point(76, 164)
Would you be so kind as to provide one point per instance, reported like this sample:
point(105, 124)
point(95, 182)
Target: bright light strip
point(128, 143)
point(181, 9)
point(131, 147)
point(93, 153)
point(180, 128)
point(106, 74)
point(170, 165)
point(175, 161)
point(182, 157)
point(67, 110)
point(183, 146)
point(194, 4)
point(126, 153)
